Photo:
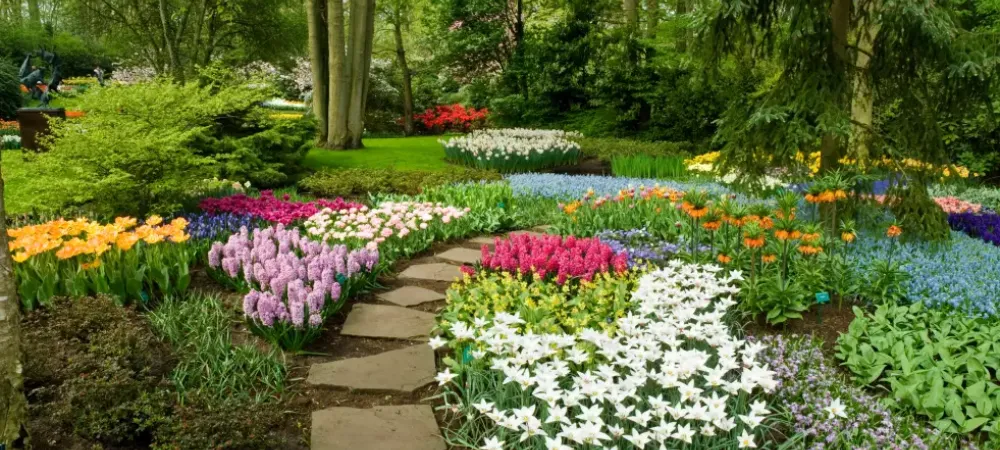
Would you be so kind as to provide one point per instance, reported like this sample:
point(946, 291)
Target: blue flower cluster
point(640, 246)
point(574, 186)
point(961, 274)
point(217, 226)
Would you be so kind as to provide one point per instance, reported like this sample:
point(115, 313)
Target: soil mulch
point(825, 323)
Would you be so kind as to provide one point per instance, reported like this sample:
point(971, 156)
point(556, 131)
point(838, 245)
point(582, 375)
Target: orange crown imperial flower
point(894, 231)
point(724, 259)
point(750, 242)
point(767, 259)
point(847, 237)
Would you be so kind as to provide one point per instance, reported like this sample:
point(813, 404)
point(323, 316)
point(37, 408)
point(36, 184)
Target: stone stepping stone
point(392, 322)
point(432, 272)
point(411, 296)
point(482, 240)
point(403, 370)
point(460, 255)
point(404, 427)
point(528, 232)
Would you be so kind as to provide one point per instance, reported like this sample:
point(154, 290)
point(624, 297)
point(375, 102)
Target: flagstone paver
point(405, 427)
point(432, 272)
point(411, 296)
point(460, 255)
point(392, 322)
point(403, 370)
point(482, 240)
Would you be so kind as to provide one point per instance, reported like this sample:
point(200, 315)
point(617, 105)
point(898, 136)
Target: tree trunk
point(863, 99)
point(840, 19)
point(631, 8)
point(407, 84)
point(653, 20)
point(175, 61)
point(13, 405)
point(339, 74)
point(682, 38)
point(359, 51)
point(318, 57)
point(33, 12)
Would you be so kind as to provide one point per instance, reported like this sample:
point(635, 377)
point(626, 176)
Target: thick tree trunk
point(840, 20)
point(318, 56)
point(359, 51)
point(340, 73)
point(407, 82)
point(682, 38)
point(13, 405)
point(862, 96)
point(653, 18)
point(175, 61)
point(33, 12)
point(631, 8)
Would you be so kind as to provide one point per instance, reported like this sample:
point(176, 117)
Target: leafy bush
point(451, 118)
point(10, 91)
point(139, 146)
point(607, 148)
point(935, 362)
point(95, 370)
point(358, 182)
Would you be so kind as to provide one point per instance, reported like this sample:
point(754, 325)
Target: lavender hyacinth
point(291, 278)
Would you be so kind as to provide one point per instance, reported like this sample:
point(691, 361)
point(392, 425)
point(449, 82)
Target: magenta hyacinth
point(291, 277)
point(553, 256)
point(272, 209)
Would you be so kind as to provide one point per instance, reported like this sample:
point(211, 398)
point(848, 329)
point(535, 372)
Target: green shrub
point(95, 370)
point(358, 182)
point(146, 147)
point(607, 148)
point(936, 363)
point(10, 91)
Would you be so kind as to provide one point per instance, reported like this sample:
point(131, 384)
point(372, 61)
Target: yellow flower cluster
point(706, 163)
point(70, 238)
point(286, 116)
point(546, 307)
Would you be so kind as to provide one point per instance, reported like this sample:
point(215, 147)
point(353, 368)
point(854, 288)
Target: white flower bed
point(514, 149)
point(672, 373)
point(282, 104)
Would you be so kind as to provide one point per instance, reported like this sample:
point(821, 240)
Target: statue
point(34, 80)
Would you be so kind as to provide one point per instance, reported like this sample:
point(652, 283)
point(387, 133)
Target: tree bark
point(359, 52)
point(407, 82)
point(318, 56)
point(631, 8)
point(175, 61)
point(13, 404)
point(33, 12)
point(831, 148)
point(863, 98)
point(340, 73)
point(653, 18)
point(682, 38)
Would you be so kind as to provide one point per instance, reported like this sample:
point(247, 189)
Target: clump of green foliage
point(10, 91)
point(918, 213)
point(645, 166)
point(359, 182)
point(936, 363)
point(608, 148)
point(145, 148)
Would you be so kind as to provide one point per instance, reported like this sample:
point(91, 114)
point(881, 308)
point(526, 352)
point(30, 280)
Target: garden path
point(403, 314)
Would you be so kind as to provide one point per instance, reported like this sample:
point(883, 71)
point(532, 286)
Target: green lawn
point(19, 187)
point(417, 153)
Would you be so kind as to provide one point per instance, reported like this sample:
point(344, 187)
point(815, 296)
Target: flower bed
point(671, 374)
point(79, 258)
point(985, 226)
point(396, 229)
point(10, 135)
point(272, 209)
point(569, 187)
point(640, 246)
point(294, 284)
point(513, 150)
point(551, 258)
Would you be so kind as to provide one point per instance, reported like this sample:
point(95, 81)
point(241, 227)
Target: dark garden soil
point(825, 323)
point(586, 166)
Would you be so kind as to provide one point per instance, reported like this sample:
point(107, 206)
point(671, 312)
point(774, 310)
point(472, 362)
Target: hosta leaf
point(972, 424)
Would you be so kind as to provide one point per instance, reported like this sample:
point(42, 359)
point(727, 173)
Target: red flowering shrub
point(552, 257)
point(451, 118)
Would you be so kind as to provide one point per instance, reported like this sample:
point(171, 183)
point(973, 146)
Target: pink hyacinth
point(272, 209)
point(553, 257)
